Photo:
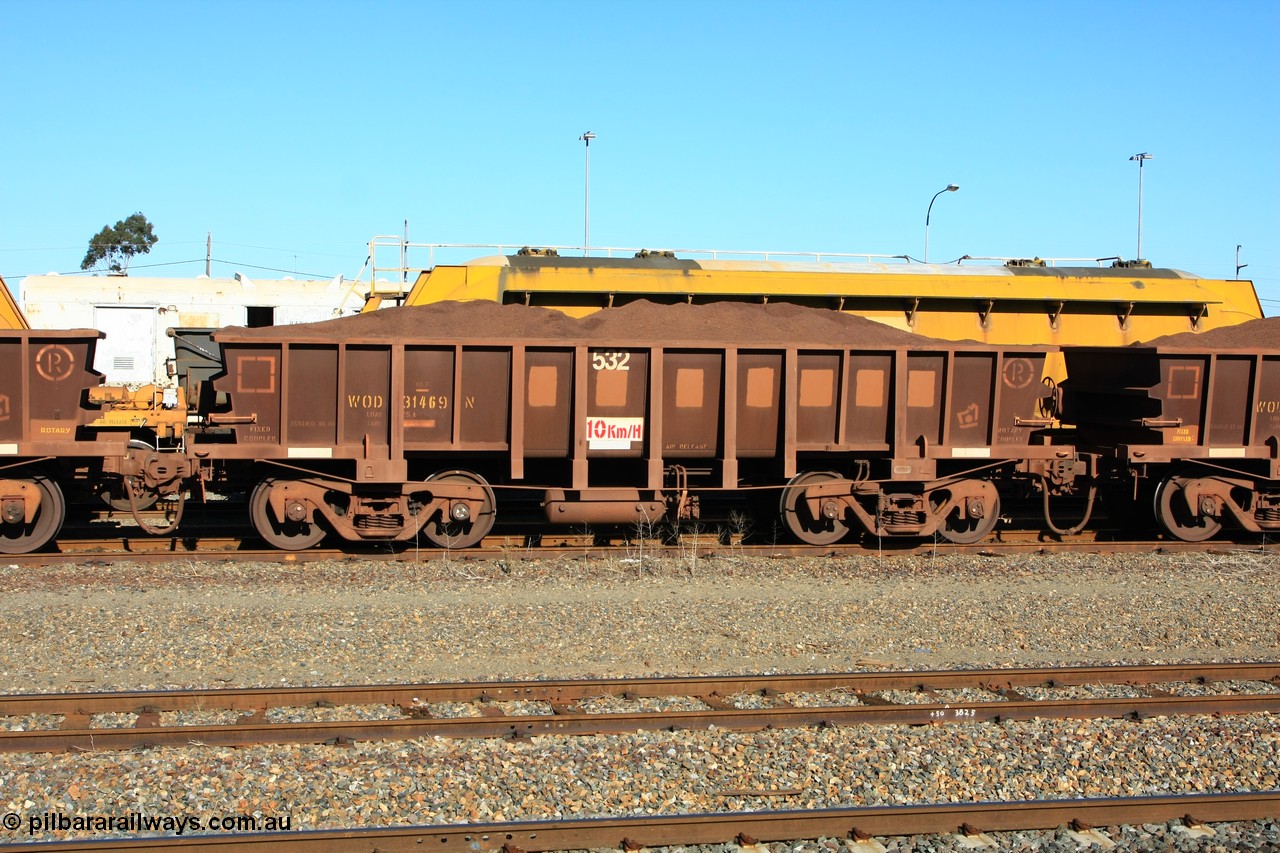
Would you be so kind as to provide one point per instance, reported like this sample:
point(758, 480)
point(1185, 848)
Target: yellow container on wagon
point(11, 316)
point(1019, 303)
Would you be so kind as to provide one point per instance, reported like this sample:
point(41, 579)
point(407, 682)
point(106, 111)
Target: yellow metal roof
point(10, 314)
point(995, 304)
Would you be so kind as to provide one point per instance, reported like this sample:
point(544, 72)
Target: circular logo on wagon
point(55, 362)
point(1019, 372)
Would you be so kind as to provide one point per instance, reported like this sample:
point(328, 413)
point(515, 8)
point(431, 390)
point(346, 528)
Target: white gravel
point(226, 624)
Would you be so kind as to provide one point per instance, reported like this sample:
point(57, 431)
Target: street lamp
point(586, 232)
point(949, 188)
point(1141, 158)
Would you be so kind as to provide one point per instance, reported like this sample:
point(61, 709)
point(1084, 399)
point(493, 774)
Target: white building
point(136, 313)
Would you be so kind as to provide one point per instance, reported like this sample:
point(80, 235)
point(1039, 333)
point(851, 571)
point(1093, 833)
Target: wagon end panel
point(1024, 401)
point(1182, 397)
point(60, 372)
point(13, 396)
point(251, 381)
point(1107, 396)
point(1191, 402)
point(44, 382)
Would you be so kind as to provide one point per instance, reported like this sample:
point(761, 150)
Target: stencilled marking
point(1019, 372)
point(55, 362)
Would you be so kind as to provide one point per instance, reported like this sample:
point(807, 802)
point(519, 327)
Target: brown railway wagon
point(45, 377)
point(1190, 430)
point(381, 431)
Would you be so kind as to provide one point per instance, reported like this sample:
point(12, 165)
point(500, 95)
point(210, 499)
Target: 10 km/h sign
point(614, 433)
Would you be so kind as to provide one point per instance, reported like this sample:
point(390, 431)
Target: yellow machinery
point(1021, 302)
point(10, 314)
point(152, 410)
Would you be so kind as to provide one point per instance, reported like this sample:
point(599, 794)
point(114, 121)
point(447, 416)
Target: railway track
point(131, 544)
point(743, 828)
point(597, 706)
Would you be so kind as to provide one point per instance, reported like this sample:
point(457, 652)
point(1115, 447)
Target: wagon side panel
point(691, 405)
point(759, 388)
point(366, 399)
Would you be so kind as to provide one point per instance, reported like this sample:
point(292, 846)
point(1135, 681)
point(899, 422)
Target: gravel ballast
point(198, 624)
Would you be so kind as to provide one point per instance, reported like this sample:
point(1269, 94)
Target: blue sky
point(294, 132)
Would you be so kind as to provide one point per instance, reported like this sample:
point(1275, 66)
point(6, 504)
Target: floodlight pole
point(1141, 158)
point(586, 228)
point(949, 188)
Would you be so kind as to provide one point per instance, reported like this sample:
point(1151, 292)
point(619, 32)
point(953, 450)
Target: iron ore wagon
point(433, 420)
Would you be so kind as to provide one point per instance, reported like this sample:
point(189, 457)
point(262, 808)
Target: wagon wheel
point(286, 535)
point(22, 538)
point(1177, 519)
point(964, 529)
point(797, 517)
point(444, 531)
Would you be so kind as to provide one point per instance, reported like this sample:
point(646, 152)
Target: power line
point(8, 276)
point(15, 276)
point(271, 269)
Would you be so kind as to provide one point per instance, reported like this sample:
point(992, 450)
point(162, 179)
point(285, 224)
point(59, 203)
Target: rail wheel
point(20, 537)
point(285, 534)
point(966, 528)
point(446, 531)
point(1178, 519)
point(799, 520)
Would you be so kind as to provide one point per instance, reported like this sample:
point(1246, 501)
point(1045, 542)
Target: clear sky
point(296, 131)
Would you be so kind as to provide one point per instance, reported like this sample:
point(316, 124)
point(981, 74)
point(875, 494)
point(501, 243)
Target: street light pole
point(586, 230)
point(949, 188)
point(1141, 158)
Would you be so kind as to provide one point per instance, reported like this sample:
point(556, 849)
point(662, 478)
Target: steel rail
point(632, 833)
point(352, 731)
point(570, 689)
point(568, 719)
point(137, 547)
